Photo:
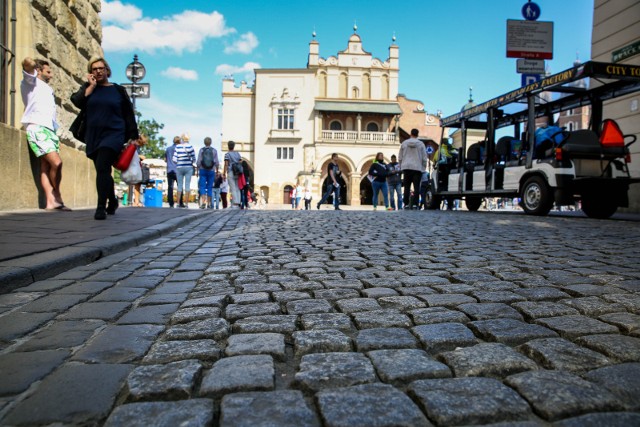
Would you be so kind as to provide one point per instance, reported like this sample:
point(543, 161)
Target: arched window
point(385, 86)
point(322, 85)
point(342, 85)
point(366, 86)
point(570, 126)
point(372, 127)
point(335, 125)
point(355, 93)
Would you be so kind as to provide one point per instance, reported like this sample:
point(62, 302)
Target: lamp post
point(135, 72)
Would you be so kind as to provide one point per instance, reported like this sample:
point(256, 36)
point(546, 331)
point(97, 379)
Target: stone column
point(358, 126)
point(353, 197)
point(318, 126)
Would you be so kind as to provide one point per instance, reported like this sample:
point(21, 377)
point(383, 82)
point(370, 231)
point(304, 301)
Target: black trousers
point(171, 180)
point(103, 161)
point(411, 177)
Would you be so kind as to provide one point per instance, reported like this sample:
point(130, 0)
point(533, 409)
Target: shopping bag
point(124, 160)
point(133, 174)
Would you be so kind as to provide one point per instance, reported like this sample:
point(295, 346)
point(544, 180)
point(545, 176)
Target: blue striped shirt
point(184, 155)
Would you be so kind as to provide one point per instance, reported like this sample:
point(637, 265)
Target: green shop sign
point(626, 52)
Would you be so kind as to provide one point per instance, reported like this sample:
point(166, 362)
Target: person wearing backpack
point(207, 167)
point(232, 171)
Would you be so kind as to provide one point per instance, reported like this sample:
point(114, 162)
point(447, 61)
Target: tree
point(156, 145)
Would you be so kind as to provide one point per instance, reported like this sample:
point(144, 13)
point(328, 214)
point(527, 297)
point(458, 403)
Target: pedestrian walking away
point(378, 174)
point(215, 191)
point(39, 121)
point(333, 171)
point(232, 170)
point(207, 163)
point(299, 194)
point(413, 161)
point(184, 157)
point(394, 182)
point(171, 170)
point(105, 123)
point(307, 199)
point(224, 191)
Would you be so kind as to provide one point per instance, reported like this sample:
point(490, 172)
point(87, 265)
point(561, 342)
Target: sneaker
point(112, 206)
point(318, 206)
point(338, 209)
point(100, 214)
point(390, 209)
point(375, 208)
point(203, 206)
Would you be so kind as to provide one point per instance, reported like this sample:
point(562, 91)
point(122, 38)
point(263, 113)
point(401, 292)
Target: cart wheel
point(473, 203)
point(536, 197)
point(431, 201)
point(600, 207)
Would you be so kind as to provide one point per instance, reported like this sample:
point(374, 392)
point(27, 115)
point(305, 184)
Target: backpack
point(207, 158)
point(236, 168)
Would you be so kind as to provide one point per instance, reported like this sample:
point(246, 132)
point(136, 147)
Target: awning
point(359, 107)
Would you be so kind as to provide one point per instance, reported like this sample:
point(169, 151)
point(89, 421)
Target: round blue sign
point(429, 149)
point(531, 11)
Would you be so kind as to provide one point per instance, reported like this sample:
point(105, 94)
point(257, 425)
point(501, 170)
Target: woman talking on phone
point(105, 123)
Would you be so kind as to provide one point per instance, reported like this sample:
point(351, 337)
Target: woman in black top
point(105, 123)
point(378, 174)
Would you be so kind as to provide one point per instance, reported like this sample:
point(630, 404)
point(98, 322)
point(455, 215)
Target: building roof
point(359, 107)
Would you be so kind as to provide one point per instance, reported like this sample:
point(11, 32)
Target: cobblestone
point(574, 326)
point(320, 341)
point(282, 408)
point(441, 337)
point(385, 338)
point(402, 366)
point(424, 316)
point(194, 412)
point(486, 360)
point(509, 331)
point(170, 351)
point(237, 374)
point(617, 347)
point(560, 354)
point(262, 343)
point(332, 370)
point(172, 381)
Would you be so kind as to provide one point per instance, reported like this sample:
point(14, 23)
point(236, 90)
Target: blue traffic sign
point(528, 79)
point(429, 149)
point(531, 11)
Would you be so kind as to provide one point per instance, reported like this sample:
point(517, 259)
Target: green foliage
point(155, 147)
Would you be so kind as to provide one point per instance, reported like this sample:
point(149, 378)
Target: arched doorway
point(366, 189)
point(264, 193)
point(286, 197)
point(343, 180)
point(343, 189)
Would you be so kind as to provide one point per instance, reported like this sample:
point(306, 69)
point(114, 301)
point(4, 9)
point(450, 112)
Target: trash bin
point(152, 198)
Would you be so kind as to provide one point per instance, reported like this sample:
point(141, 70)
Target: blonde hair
point(95, 59)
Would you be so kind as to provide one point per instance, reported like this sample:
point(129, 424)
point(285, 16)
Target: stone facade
point(66, 33)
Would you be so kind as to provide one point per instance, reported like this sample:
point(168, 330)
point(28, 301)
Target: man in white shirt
point(39, 120)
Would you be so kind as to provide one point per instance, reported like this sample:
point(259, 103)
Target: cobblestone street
point(325, 318)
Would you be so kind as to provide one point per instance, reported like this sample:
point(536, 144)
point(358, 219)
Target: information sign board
point(530, 66)
point(529, 39)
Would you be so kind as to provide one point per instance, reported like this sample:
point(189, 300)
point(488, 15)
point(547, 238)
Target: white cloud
point(246, 69)
point(245, 44)
point(185, 31)
point(180, 73)
point(117, 13)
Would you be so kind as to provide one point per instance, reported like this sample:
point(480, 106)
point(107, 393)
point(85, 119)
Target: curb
point(26, 270)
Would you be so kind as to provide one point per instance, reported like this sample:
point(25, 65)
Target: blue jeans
point(205, 183)
point(377, 187)
point(215, 199)
point(184, 173)
point(395, 190)
point(336, 195)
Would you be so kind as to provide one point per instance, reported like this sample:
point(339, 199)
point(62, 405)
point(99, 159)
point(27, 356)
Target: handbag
point(133, 174)
point(78, 127)
point(124, 159)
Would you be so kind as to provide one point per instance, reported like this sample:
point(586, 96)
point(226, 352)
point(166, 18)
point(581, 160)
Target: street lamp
point(135, 72)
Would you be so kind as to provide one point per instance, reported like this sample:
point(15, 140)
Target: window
point(372, 127)
point(335, 125)
point(284, 153)
point(286, 118)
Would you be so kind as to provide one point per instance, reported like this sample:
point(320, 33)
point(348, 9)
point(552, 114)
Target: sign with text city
point(529, 39)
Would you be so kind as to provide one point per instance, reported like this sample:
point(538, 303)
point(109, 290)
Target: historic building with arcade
point(290, 121)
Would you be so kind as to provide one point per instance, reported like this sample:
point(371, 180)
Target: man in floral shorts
point(39, 120)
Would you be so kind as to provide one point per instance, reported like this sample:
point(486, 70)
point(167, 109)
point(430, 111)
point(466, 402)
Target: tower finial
point(470, 93)
point(355, 26)
point(393, 38)
point(313, 34)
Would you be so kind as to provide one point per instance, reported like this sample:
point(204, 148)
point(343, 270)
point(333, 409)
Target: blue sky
point(445, 47)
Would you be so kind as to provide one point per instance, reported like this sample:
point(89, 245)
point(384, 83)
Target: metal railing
point(352, 136)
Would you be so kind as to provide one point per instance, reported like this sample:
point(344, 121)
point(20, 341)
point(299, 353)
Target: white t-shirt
point(40, 104)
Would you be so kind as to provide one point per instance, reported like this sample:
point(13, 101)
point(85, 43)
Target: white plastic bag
point(133, 175)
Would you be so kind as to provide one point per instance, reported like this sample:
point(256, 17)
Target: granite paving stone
point(53, 303)
point(355, 305)
point(447, 300)
point(385, 338)
point(557, 394)
point(62, 396)
point(239, 311)
point(622, 380)
point(606, 419)
point(388, 318)
point(402, 303)
point(170, 351)
point(320, 341)
point(586, 290)
point(212, 301)
point(193, 413)
point(96, 310)
point(338, 321)
point(309, 306)
point(84, 287)
point(282, 408)
point(593, 306)
point(416, 291)
point(576, 325)
point(119, 293)
point(489, 310)
point(237, 374)
point(423, 280)
point(542, 293)
point(379, 292)
point(439, 337)
point(190, 314)
point(335, 294)
point(284, 297)
point(61, 334)
point(401, 366)
point(467, 401)
point(19, 370)
point(320, 371)
point(250, 298)
point(629, 301)
point(369, 405)
point(535, 310)
point(164, 298)
point(450, 288)
point(259, 287)
point(497, 296)
point(563, 355)
point(430, 315)
point(620, 348)
point(119, 344)
point(486, 360)
point(627, 322)
point(262, 343)
point(282, 324)
point(509, 331)
point(154, 314)
point(216, 329)
point(172, 381)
